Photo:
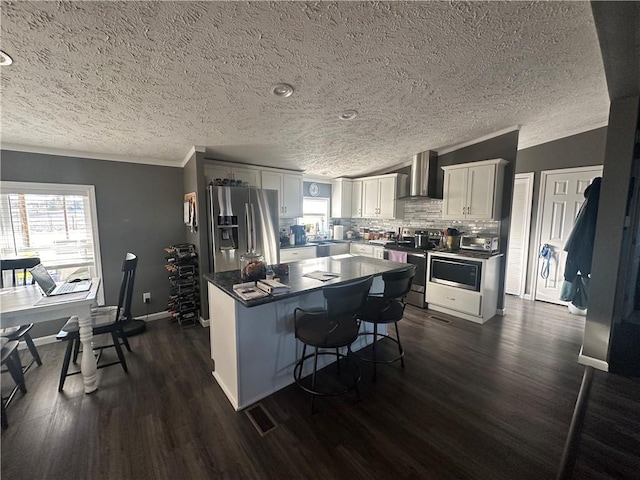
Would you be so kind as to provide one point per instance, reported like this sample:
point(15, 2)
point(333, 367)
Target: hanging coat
point(579, 246)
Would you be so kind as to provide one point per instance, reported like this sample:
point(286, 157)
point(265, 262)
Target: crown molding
point(453, 148)
point(192, 152)
point(89, 155)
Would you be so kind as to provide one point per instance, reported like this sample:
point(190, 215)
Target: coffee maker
point(300, 234)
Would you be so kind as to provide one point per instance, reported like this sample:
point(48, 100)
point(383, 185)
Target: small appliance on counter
point(284, 237)
point(300, 234)
point(338, 232)
point(478, 242)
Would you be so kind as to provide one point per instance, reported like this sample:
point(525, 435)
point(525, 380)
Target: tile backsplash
point(417, 214)
point(421, 214)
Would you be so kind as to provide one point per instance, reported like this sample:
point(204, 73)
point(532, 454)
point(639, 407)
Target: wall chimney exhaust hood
point(424, 175)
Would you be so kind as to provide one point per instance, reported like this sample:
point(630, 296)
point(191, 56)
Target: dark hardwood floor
point(489, 401)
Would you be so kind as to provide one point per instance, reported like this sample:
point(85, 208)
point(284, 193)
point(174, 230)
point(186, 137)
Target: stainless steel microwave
point(484, 244)
point(455, 272)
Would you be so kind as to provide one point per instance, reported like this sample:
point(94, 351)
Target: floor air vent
point(261, 419)
point(440, 319)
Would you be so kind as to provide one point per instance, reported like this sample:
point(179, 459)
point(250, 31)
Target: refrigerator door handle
point(254, 239)
point(247, 222)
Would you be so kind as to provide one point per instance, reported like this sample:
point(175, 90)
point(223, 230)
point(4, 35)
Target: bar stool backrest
point(347, 299)
point(398, 284)
point(15, 265)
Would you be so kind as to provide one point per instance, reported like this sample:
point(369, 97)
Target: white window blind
point(56, 223)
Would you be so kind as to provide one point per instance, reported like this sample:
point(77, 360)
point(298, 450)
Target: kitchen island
point(253, 346)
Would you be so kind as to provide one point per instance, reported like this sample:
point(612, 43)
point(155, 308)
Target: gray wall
point(581, 150)
point(506, 147)
point(139, 210)
point(195, 181)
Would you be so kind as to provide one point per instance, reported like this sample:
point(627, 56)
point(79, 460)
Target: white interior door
point(562, 194)
point(518, 248)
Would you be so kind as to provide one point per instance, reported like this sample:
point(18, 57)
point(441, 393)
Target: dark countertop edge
point(316, 243)
point(209, 277)
point(471, 254)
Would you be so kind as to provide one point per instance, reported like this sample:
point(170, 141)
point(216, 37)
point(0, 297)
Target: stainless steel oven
point(416, 296)
point(456, 272)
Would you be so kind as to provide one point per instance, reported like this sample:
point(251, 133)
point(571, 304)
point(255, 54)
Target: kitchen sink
point(329, 248)
point(321, 242)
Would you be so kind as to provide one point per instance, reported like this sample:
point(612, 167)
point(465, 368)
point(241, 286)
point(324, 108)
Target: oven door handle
point(421, 255)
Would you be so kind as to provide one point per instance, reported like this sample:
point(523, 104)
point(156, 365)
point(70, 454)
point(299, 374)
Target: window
point(54, 222)
point(315, 216)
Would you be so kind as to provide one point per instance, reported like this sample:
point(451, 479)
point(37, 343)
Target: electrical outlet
point(146, 297)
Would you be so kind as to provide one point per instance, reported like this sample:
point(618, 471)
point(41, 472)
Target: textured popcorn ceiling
point(147, 80)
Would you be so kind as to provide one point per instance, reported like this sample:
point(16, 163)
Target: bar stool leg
point(375, 356)
point(338, 359)
point(32, 348)
point(400, 349)
point(15, 369)
point(313, 379)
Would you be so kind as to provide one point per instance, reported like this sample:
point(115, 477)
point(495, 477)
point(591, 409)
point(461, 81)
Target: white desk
point(26, 304)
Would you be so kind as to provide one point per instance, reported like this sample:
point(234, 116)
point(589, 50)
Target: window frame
point(89, 191)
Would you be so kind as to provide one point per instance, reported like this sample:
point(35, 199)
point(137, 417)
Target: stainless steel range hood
point(424, 174)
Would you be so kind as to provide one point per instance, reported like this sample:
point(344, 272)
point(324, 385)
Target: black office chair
point(105, 320)
point(15, 266)
point(11, 359)
point(332, 328)
point(386, 308)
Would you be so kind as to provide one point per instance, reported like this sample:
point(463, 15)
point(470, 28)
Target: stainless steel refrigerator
point(241, 219)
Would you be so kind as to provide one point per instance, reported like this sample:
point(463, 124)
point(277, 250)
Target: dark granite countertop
point(313, 243)
point(349, 268)
point(473, 254)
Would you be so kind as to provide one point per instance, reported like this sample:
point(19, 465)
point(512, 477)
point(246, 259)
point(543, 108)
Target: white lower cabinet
point(378, 252)
point(297, 253)
point(455, 298)
point(362, 249)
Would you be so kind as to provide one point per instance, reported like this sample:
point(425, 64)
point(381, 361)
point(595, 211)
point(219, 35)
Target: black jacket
point(579, 246)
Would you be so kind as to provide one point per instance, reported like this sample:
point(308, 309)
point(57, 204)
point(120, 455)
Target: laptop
point(49, 286)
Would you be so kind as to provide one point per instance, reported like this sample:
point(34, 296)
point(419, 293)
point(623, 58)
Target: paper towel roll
point(338, 232)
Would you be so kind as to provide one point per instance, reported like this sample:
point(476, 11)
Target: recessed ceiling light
point(5, 59)
point(348, 115)
point(282, 90)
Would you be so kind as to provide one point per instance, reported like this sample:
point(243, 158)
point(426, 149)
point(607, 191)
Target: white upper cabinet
point(473, 191)
point(341, 195)
point(380, 193)
point(212, 171)
point(356, 199)
point(370, 197)
point(289, 187)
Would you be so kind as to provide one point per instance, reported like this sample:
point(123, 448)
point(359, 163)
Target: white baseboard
point(39, 341)
point(153, 316)
point(593, 362)
point(500, 312)
point(204, 323)
point(52, 338)
point(527, 296)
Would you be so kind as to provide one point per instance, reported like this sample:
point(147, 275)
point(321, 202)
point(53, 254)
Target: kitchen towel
point(397, 256)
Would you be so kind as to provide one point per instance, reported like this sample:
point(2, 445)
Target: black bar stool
point(330, 329)
point(386, 308)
